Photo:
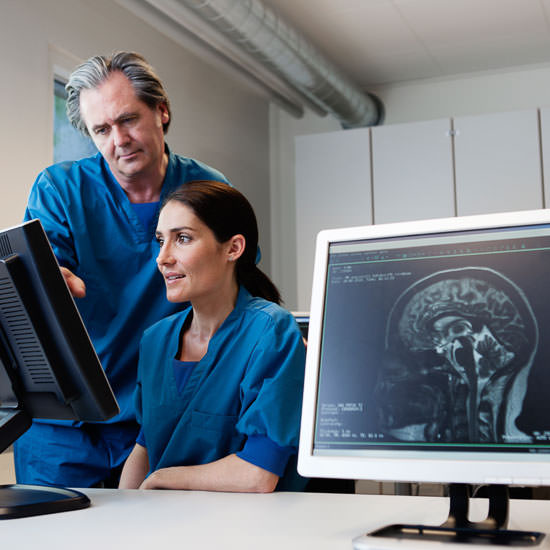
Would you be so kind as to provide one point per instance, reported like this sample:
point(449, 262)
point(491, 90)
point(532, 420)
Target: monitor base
point(458, 528)
point(468, 535)
point(19, 501)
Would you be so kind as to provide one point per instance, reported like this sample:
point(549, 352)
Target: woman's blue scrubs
point(244, 396)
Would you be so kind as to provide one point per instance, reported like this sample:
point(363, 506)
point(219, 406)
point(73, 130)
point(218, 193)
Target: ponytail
point(258, 283)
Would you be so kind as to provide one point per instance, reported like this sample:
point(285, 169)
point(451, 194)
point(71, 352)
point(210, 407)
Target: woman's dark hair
point(227, 212)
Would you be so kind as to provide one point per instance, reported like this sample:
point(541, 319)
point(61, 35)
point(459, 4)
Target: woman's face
point(193, 263)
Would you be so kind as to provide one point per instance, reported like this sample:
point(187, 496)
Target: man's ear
point(237, 244)
point(164, 114)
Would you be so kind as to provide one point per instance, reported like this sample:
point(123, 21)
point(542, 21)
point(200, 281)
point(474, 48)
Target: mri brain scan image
point(458, 350)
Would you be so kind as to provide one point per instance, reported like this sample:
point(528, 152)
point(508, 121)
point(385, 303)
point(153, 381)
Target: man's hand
point(76, 284)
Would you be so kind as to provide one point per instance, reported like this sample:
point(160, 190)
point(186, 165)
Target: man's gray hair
point(97, 69)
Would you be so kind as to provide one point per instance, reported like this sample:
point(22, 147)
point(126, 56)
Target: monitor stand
point(20, 501)
point(457, 527)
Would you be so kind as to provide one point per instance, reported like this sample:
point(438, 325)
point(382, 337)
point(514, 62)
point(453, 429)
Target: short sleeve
point(140, 439)
point(46, 204)
point(261, 451)
point(271, 390)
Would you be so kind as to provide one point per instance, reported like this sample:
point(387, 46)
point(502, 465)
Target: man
point(100, 215)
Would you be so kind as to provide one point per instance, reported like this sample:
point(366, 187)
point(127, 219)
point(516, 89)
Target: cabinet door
point(545, 139)
point(412, 171)
point(332, 190)
point(497, 162)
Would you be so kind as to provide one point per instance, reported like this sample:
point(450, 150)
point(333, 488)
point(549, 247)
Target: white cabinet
point(545, 148)
point(492, 164)
point(333, 189)
point(497, 162)
point(412, 167)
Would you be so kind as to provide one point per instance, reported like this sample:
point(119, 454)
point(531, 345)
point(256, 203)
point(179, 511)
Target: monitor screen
point(427, 352)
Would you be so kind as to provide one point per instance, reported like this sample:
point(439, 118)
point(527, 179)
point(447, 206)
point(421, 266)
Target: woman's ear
point(237, 244)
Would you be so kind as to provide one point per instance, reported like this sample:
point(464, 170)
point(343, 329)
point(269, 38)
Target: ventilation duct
point(253, 28)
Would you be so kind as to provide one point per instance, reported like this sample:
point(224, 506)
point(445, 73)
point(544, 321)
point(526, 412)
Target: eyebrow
point(117, 120)
point(176, 229)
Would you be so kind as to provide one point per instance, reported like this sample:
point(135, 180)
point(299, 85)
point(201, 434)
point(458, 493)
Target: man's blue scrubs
point(244, 396)
point(103, 238)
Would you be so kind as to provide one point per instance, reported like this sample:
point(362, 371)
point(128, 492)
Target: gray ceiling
point(380, 42)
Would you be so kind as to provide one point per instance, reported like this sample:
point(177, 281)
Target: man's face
point(125, 130)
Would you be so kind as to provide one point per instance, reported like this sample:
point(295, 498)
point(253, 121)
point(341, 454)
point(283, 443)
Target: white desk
point(194, 520)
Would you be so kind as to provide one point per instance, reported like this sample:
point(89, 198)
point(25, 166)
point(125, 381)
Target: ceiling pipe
point(255, 29)
point(166, 16)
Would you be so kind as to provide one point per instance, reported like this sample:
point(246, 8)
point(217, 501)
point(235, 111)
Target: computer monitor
point(48, 366)
point(302, 319)
point(428, 356)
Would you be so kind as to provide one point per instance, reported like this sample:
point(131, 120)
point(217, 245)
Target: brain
point(467, 297)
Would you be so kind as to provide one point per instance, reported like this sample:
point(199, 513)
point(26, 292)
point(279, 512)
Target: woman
point(220, 383)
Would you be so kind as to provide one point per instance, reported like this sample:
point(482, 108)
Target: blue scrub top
point(244, 396)
point(96, 233)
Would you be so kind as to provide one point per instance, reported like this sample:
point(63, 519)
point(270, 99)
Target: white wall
point(496, 91)
point(7, 468)
point(215, 118)
point(479, 93)
point(282, 129)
